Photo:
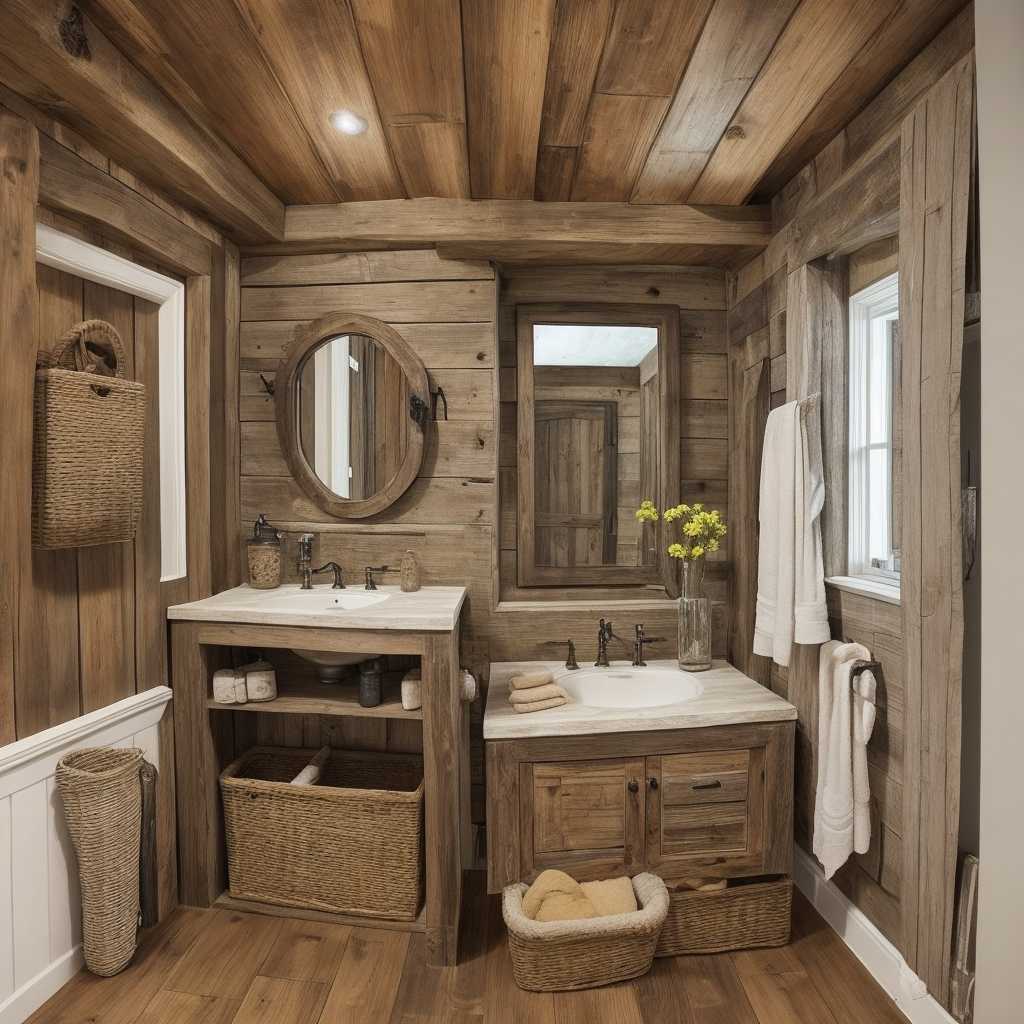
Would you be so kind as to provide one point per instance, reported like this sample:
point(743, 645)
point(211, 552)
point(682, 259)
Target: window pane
point(878, 506)
point(878, 371)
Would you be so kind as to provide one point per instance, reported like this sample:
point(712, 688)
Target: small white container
point(260, 681)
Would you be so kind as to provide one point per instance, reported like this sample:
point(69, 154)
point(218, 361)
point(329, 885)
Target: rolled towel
point(540, 705)
point(225, 686)
point(612, 896)
point(537, 693)
point(527, 680)
point(310, 775)
point(704, 884)
point(555, 896)
point(412, 690)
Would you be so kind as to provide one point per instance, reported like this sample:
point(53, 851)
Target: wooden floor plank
point(282, 1001)
point(714, 994)
point(841, 979)
point(227, 956)
point(779, 989)
point(306, 951)
point(175, 1007)
point(368, 978)
point(221, 966)
point(661, 995)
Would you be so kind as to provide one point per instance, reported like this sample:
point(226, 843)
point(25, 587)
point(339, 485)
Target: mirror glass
point(353, 418)
point(596, 416)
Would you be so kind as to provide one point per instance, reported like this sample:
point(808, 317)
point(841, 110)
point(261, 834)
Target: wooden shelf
point(228, 902)
point(323, 699)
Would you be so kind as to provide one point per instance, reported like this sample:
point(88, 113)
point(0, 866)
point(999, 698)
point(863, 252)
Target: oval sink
point(628, 687)
point(320, 599)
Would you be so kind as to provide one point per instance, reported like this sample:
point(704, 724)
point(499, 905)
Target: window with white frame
point(874, 436)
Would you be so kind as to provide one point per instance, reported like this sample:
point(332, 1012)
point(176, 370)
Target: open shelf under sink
point(320, 699)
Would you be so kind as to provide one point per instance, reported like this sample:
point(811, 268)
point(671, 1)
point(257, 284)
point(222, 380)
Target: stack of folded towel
point(555, 896)
point(535, 691)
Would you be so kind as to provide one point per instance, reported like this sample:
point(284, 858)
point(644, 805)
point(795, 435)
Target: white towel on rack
point(842, 818)
point(790, 571)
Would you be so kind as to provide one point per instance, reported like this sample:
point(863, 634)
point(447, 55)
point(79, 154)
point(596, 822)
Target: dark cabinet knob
point(634, 786)
point(653, 783)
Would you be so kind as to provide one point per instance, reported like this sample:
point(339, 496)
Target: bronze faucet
point(639, 639)
point(604, 634)
point(308, 574)
point(570, 659)
point(305, 559)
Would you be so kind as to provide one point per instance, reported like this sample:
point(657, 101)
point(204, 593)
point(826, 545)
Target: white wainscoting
point(40, 912)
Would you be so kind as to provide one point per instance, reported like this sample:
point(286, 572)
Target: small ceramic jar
point(264, 555)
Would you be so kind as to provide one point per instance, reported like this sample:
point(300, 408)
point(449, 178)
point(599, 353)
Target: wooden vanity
point(699, 789)
point(423, 624)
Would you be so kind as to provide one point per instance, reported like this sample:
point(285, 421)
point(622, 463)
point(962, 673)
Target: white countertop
point(728, 698)
point(430, 609)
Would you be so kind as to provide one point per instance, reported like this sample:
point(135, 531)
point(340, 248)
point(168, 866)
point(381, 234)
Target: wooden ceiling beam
point(459, 221)
point(103, 95)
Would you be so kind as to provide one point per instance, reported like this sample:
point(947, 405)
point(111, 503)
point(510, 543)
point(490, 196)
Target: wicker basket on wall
point(352, 844)
point(87, 442)
point(102, 796)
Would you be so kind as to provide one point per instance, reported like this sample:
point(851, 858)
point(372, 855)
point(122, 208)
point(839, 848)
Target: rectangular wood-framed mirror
point(597, 432)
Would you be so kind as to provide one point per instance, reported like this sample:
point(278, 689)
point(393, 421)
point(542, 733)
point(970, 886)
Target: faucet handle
point(570, 658)
point(369, 571)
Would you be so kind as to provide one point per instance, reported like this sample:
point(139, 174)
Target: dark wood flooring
point(224, 967)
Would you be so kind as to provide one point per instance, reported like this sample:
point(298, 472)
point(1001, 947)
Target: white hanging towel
point(790, 568)
point(846, 716)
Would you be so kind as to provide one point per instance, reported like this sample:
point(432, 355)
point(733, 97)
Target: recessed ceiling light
point(348, 123)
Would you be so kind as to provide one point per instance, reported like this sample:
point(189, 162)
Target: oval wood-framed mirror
point(352, 403)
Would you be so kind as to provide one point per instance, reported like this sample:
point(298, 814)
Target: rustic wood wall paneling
point(937, 141)
point(19, 189)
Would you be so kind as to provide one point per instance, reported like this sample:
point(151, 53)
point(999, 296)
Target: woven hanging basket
point(87, 442)
point(102, 798)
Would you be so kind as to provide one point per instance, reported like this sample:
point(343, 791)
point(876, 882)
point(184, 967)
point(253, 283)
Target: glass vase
point(694, 619)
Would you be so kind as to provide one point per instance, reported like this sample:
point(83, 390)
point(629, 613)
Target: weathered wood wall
point(835, 232)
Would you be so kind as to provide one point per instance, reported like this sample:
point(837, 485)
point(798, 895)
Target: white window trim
point(73, 256)
point(878, 299)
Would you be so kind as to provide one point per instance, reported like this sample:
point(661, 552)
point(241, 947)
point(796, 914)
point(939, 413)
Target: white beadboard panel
point(6, 906)
point(30, 882)
point(65, 896)
point(40, 901)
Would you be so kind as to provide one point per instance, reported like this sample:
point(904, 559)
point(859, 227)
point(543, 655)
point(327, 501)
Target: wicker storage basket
point(102, 798)
point(744, 916)
point(351, 844)
point(557, 956)
point(87, 444)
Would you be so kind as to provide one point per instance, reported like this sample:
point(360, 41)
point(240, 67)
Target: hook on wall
point(436, 396)
point(268, 384)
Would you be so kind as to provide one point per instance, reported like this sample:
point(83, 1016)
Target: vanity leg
point(442, 764)
point(201, 860)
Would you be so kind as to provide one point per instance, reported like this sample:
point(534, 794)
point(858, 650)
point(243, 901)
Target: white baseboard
point(869, 945)
point(23, 1003)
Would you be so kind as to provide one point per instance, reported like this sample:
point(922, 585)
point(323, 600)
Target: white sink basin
point(319, 599)
point(627, 687)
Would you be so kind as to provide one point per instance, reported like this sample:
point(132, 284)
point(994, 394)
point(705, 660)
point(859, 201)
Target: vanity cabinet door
point(705, 812)
point(585, 817)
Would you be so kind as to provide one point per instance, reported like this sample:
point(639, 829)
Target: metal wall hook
point(267, 384)
point(436, 396)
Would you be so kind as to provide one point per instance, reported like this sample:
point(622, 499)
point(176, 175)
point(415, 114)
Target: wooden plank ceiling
point(641, 101)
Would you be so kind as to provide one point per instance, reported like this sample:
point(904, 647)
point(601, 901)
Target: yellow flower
point(712, 544)
point(696, 551)
point(677, 550)
point(647, 512)
point(692, 528)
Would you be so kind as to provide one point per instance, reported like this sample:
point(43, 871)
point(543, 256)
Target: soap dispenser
point(264, 551)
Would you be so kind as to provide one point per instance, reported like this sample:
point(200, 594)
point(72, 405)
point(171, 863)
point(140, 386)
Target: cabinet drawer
point(712, 777)
point(709, 829)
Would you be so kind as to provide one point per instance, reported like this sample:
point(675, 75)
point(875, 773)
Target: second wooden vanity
point(423, 624)
point(703, 788)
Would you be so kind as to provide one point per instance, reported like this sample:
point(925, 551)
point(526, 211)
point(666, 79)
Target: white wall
point(40, 904)
point(1000, 60)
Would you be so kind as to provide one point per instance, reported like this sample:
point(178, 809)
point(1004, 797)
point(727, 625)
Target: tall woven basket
point(102, 798)
point(87, 442)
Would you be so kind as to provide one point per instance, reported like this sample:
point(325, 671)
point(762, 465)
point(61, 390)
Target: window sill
point(866, 587)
